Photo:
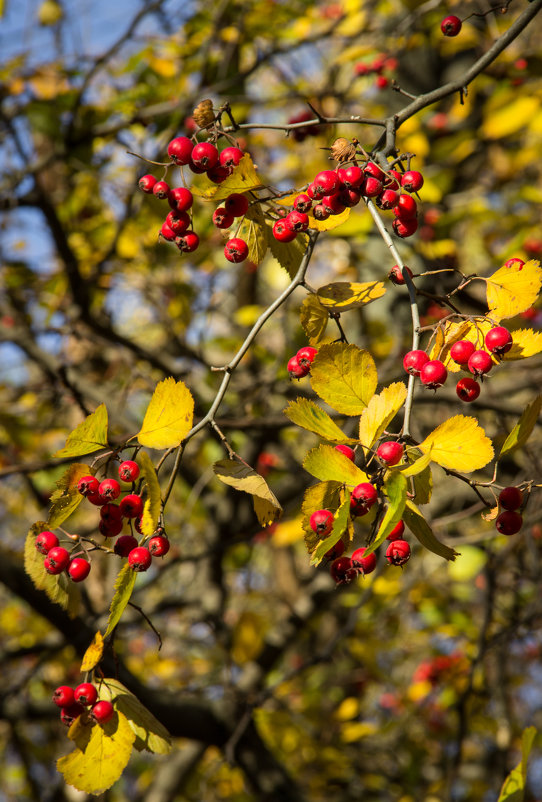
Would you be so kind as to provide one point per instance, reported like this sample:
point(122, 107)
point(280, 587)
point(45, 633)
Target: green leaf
point(513, 789)
point(66, 498)
point(150, 734)
point(237, 474)
point(169, 416)
point(379, 413)
point(340, 296)
point(340, 525)
point(288, 254)
point(423, 487)
point(58, 588)
point(421, 529)
point(328, 464)
point(314, 319)
point(310, 416)
point(254, 231)
point(243, 178)
point(523, 428)
point(344, 376)
point(124, 586)
point(89, 436)
point(322, 496)
point(395, 488)
point(153, 504)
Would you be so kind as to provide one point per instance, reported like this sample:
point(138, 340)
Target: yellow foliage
point(459, 444)
point(379, 412)
point(169, 416)
point(513, 289)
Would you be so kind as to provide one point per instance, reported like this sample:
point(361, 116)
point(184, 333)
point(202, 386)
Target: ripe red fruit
point(398, 552)
point(306, 354)
point(85, 694)
point(188, 242)
point(405, 228)
point(498, 340)
point(511, 498)
point(347, 451)
point(180, 199)
point(467, 389)
point(46, 541)
point(87, 485)
point(236, 250)
point(480, 363)
point(335, 551)
point(397, 531)
point(450, 26)
point(381, 81)
point(509, 522)
point(102, 712)
point(390, 452)
point(320, 212)
point(396, 275)
point(146, 183)
point(365, 565)
point(282, 233)
point(230, 157)
point(96, 499)
point(161, 190)
point(321, 522)
point(109, 489)
point(333, 204)
point(296, 369)
point(406, 207)
point(124, 545)
point(63, 696)
point(412, 181)
point(342, 570)
point(514, 261)
point(180, 150)
point(302, 203)
point(393, 179)
point(326, 183)
point(131, 506)
point(433, 374)
point(110, 528)
point(461, 351)
point(110, 512)
point(69, 714)
point(349, 197)
point(140, 558)
point(371, 186)
point(351, 176)
point(362, 498)
point(167, 232)
point(236, 204)
point(222, 218)
point(158, 545)
point(388, 199)
point(371, 168)
point(57, 560)
point(128, 471)
point(218, 174)
point(178, 222)
point(204, 155)
point(297, 221)
point(413, 362)
point(78, 569)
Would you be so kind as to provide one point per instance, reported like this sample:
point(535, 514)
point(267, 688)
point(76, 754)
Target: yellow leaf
point(523, 428)
point(527, 342)
point(150, 733)
point(379, 413)
point(242, 179)
point(343, 295)
point(66, 498)
point(288, 254)
point(238, 474)
point(89, 436)
point(459, 444)
point(94, 653)
point(513, 289)
point(344, 376)
point(418, 466)
point(333, 221)
point(247, 637)
point(169, 416)
point(348, 709)
point(395, 488)
point(314, 318)
point(510, 118)
point(310, 416)
point(153, 504)
point(253, 230)
point(124, 585)
point(513, 788)
point(329, 465)
point(323, 496)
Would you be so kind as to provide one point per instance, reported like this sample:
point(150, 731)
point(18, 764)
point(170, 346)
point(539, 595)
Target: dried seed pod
point(203, 114)
point(343, 150)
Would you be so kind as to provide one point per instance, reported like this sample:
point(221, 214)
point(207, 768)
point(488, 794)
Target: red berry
point(147, 183)
point(131, 506)
point(511, 498)
point(406, 207)
point(362, 498)
point(306, 354)
point(167, 233)
point(412, 181)
point(371, 168)
point(498, 340)
point(236, 204)
point(393, 180)
point(87, 485)
point(124, 545)
point(461, 351)
point(365, 565)
point(397, 531)
point(188, 242)
point(297, 221)
point(282, 233)
point(321, 522)
point(381, 82)
point(333, 204)
point(467, 389)
point(414, 361)
point(405, 228)
point(110, 528)
point(509, 522)
point(180, 199)
point(370, 186)
point(178, 222)
point(204, 155)
point(396, 275)
point(390, 452)
point(388, 199)
point(97, 499)
point(236, 250)
point(347, 451)
point(69, 714)
point(63, 696)
point(326, 183)
point(349, 197)
point(433, 374)
point(218, 174)
point(46, 541)
point(158, 545)
point(128, 471)
point(140, 558)
point(398, 552)
point(78, 569)
point(320, 212)
point(109, 488)
point(315, 193)
point(102, 712)
point(296, 369)
point(57, 560)
point(161, 190)
point(450, 26)
point(480, 363)
point(230, 157)
point(110, 512)
point(515, 261)
point(180, 150)
point(86, 694)
point(335, 551)
point(302, 203)
point(342, 570)
point(222, 218)
point(351, 176)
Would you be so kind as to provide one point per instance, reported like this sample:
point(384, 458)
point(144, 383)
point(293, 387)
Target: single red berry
point(390, 453)
point(320, 212)
point(296, 369)
point(342, 570)
point(406, 207)
point(236, 204)
point(180, 150)
point(362, 498)
point(372, 168)
point(78, 569)
point(347, 451)
point(387, 199)
point(102, 712)
point(57, 560)
point(498, 340)
point(86, 694)
point(405, 228)
point(381, 82)
point(461, 351)
point(188, 242)
point(467, 389)
point(396, 275)
point(236, 250)
point(335, 551)
point(371, 187)
point(480, 363)
point(297, 221)
point(230, 157)
point(204, 155)
point(365, 565)
point(131, 506)
point(124, 545)
point(397, 531)
point(222, 218)
point(393, 180)
point(333, 204)
point(140, 558)
point(219, 174)
point(511, 498)
point(110, 512)
point(413, 362)
point(349, 197)
point(110, 528)
point(398, 552)
point(351, 176)
point(109, 488)
point(158, 545)
point(315, 193)
point(515, 262)
point(321, 522)
point(179, 222)
point(180, 199)
point(69, 714)
point(509, 522)
point(302, 203)
point(326, 183)
point(161, 190)
point(412, 180)
point(306, 354)
point(167, 232)
point(97, 499)
point(450, 26)
point(433, 374)
point(63, 696)
point(147, 183)
point(46, 541)
point(282, 233)
point(87, 485)
point(128, 471)
point(195, 169)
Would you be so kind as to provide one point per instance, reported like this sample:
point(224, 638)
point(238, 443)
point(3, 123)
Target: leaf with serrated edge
point(254, 231)
point(288, 254)
point(310, 416)
point(451, 332)
point(58, 587)
point(66, 498)
point(314, 319)
point(242, 179)
point(459, 444)
point(344, 376)
point(153, 504)
point(93, 654)
point(513, 289)
point(124, 586)
point(379, 413)
point(344, 295)
point(513, 788)
point(328, 464)
point(238, 474)
point(523, 428)
point(169, 416)
point(423, 487)
point(526, 343)
point(89, 436)
point(147, 728)
point(107, 750)
point(340, 523)
point(423, 532)
point(395, 488)
point(323, 496)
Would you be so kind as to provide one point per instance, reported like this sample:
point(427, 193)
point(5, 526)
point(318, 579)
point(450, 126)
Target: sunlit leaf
point(333, 221)
point(344, 376)
point(243, 178)
point(238, 474)
point(423, 532)
point(169, 416)
point(379, 413)
point(526, 342)
point(151, 734)
point(395, 488)
point(314, 318)
point(423, 486)
point(288, 254)
point(124, 586)
point(89, 436)
point(342, 516)
point(58, 588)
point(254, 231)
point(418, 466)
point(343, 295)
point(512, 117)
point(328, 464)
point(309, 415)
point(322, 496)
point(66, 498)
point(523, 428)
point(153, 503)
point(93, 654)
point(459, 444)
point(513, 289)
point(451, 332)
point(513, 788)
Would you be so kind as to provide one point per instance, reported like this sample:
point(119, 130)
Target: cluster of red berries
point(300, 364)
point(74, 702)
point(509, 520)
point(378, 67)
point(433, 374)
point(451, 25)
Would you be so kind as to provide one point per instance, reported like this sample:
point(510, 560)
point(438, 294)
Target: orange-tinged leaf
point(459, 444)
point(379, 413)
point(314, 319)
point(238, 474)
point(344, 376)
point(513, 289)
point(526, 342)
point(340, 296)
point(89, 436)
point(169, 416)
point(310, 416)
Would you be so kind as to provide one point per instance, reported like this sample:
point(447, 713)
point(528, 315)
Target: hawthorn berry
point(63, 696)
point(282, 233)
point(412, 180)
point(46, 541)
point(205, 155)
point(342, 570)
point(87, 485)
point(236, 204)
point(102, 712)
point(347, 451)
point(398, 552)
point(397, 531)
point(433, 374)
point(230, 157)
point(509, 522)
point(405, 228)
point(167, 232)
point(498, 340)
point(321, 522)
point(146, 183)
point(467, 389)
point(406, 207)
point(306, 354)
point(461, 351)
point(188, 242)
point(158, 545)
point(326, 183)
point(110, 528)
point(302, 203)
point(86, 694)
point(372, 168)
point(78, 569)
point(381, 82)
point(218, 174)
point(335, 551)
point(349, 197)
point(131, 506)
point(222, 218)
point(57, 560)
point(362, 498)
point(140, 558)
point(180, 150)
point(128, 471)
point(296, 369)
point(396, 275)
point(390, 452)
point(450, 26)
point(178, 222)
point(297, 221)
point(387, 199)
point(365, 565)
point(236, 250)
point(511, 498)
point(109, 489)
point(124, 545)
point(97, 499)
point(110, 512)
point(371, 186)
point(320, 212)
point(161, 190)
point(393, 180)
point(351, 176)
point(69, 714)
point(480, 363)
point(180, 199)
point(333, 204)
point(413, 361)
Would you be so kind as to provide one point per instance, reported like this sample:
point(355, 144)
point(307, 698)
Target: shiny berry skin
point(46, 541)
point(297, 221)
point(326, 183)
point(315, 193)
point(147, 183)
point(161, 190)
point(498, 340)
point(140, 558)
point(406, 207)
point(218, 174)
point(320, 212)
point(480, 363)
point(333, 204)
point(282, 233)
point(57, 560)
point(393, 180)
point(86, 694)
point(302, 203)
point(342, 570)
point(131, 506)
point(222, 218)
point(347, 451)
point(398, 552)
point(63, 696)
point(390, 453)
point(414, 361)
point(433, 374)
point(412, 181)
point(467, 389)
point(179, 222)
point(180, 199)
point(405, 228)
point(397, 531)
point(306, 354)
point(102, 712)
point(365, 565)
point(188, 242)
point(110, 512)
point(110, 528)
point(371, 187)
point(124, 545)
point(509, 522)
point(128, 471)
point(96, 499)
point(321, 522)
point(371, 168)
point(515, 261)
point(158, 546)
point(388, 199)
point(236, 250)
point(396, 274)
point(461, 351)
point(335, 551)
point(450, 26)
point(296, 369)
point(349, 197)
point(87, 485)
point(351, 176)
point(230, 157)
point(236, 204)
point(78, 569)
point(69, 714)
point(362, 498)
point(180, 150)
point(109, 489)
point(167, 232)
point(511, 498)
point(204, 155)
